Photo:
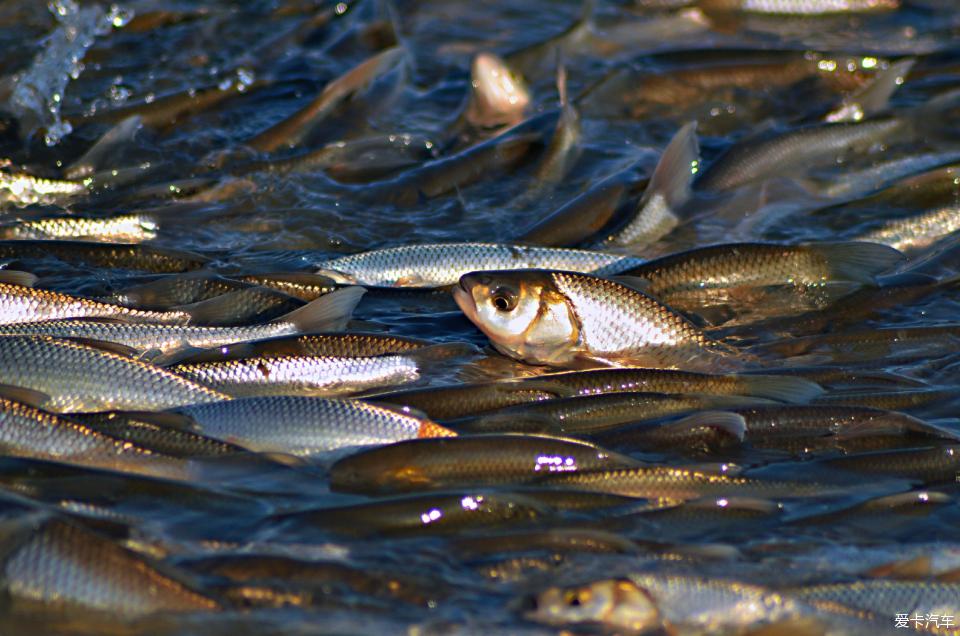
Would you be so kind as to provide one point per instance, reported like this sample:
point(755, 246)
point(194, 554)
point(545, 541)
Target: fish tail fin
point(674, 173)
point(783, 388)
point(858, 262)
point(875, 96)
point(15, 277)
point(330, 312)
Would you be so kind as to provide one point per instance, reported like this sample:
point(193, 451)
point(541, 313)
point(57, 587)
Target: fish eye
point(576, 599)
point(504, 299)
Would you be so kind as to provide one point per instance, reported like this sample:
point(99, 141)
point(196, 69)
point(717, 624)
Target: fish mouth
point(464, 300)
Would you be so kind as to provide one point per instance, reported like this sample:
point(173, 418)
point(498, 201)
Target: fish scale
point(300, 375)
point(443, 264)
point(614, 319)
point(75, 377)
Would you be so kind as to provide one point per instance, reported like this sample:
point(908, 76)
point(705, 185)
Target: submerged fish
point(113, 255)
point(565, 318)
point(442, 264)
point(62, 567)
point(461, 461)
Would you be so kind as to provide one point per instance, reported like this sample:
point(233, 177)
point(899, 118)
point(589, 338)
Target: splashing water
point(39, 90)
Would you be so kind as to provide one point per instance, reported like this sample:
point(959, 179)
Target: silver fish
point(442, 264)
point(306, 426)
point(76, 378)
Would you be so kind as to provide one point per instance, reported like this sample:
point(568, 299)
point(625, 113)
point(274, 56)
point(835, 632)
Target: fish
point(314, 577)
point(802, 7)
point(307, 426)
point(328, 312)
point(21, 188)
point(456, 401)
point(639, 603)
point(443, 264)
point(689, 278)
point(560, 318)
point(255, 303)
point(26, 431)
point(756, 159)
point(361, 160)
point(886, 598)
point(467, 461)
point(61, 567)
point(156, 432)
point(669, 482)
point(293, 130)
point(71, 377)
point(916, 232)
point(353, 344)
point(498, 95)
point(132, 256)
point(667, 192)
point(565, 146)
point(318, 376)
point(601, 381)
point(124, 228)
point(303, 286)
point(589, 415)
point(583, 217)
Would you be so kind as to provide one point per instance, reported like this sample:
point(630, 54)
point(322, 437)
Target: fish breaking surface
point(392, 317)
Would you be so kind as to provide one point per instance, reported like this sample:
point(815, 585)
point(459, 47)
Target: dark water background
point(287, 221)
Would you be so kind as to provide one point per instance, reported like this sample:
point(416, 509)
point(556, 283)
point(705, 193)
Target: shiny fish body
point(29, 432)
point(77, 378)
point(340, 345)
point(815, 7)
point(305, 426)
point(125, 228)
point(22, 189)
point(442, 264)
point(758, 264)
point(558, 318)
point(305, 287)
point(300, 375)
point(916, 232)
point(62, 566)
point(146, 337)
point(20, 304)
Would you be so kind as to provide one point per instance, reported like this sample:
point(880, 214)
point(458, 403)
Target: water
point(263, 220)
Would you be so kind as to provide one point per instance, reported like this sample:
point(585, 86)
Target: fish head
point(522, 312)
point(498, 95)
point(617, 603)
